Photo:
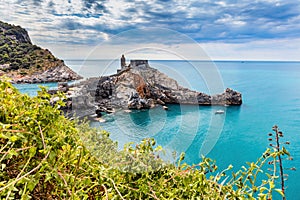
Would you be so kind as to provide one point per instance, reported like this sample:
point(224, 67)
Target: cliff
point(137, 87)
point(25, 62)
point(141, 86)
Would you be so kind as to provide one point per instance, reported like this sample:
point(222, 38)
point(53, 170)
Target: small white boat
point(219, 112)
point(165, 108)
point(101, 120)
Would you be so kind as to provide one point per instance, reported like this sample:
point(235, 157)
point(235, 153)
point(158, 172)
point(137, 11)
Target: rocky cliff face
point(24, 62)
point(14, 33)
point(138, 87)
point(144, 87)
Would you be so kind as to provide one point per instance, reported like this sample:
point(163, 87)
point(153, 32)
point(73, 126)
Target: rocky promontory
point(139, 86)
point(25, 62)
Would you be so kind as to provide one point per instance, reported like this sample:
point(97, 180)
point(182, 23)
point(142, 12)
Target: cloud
point(90, 22)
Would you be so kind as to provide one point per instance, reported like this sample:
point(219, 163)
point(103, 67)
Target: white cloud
point(63, 7)
point(230, 20)
point(242, 29)
point(280, 50)
point(222, 3)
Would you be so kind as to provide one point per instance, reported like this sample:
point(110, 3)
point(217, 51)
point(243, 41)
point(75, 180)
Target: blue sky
point(232, 29)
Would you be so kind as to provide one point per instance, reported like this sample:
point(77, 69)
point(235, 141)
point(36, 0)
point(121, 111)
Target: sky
point(161, 29)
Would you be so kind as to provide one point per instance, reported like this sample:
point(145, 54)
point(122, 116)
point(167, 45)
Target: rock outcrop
point(136, 87)
point(60, 73)
point(143, 87)
point(24, 62)
point(14, 33)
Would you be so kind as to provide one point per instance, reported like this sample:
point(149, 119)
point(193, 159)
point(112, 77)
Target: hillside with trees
point(25, 62)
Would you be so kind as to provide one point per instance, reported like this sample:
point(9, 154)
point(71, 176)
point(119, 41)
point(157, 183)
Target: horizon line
point(216, 60)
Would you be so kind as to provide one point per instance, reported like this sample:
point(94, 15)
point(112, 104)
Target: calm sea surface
point(271, 95)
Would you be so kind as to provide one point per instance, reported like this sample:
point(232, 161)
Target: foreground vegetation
point(46, 156)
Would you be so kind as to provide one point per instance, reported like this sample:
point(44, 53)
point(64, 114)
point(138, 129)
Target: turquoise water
point(32, 89)
point(271, 95)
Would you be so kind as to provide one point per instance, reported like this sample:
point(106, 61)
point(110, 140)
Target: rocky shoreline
point(59, 73)
point(139, 86)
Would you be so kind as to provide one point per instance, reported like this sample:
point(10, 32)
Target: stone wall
point(136, 63)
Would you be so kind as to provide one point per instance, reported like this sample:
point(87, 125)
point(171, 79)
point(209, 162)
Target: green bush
point(38, 66)
point(23, 73)
point(14, 66)
point(5, 57)
point(46, 156)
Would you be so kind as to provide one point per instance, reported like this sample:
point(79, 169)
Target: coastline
point(241, 136)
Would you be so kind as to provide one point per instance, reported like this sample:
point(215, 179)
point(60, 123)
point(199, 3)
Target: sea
point(271, 96)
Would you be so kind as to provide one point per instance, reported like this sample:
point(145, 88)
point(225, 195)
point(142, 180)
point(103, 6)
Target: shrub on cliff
point(46, 156)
